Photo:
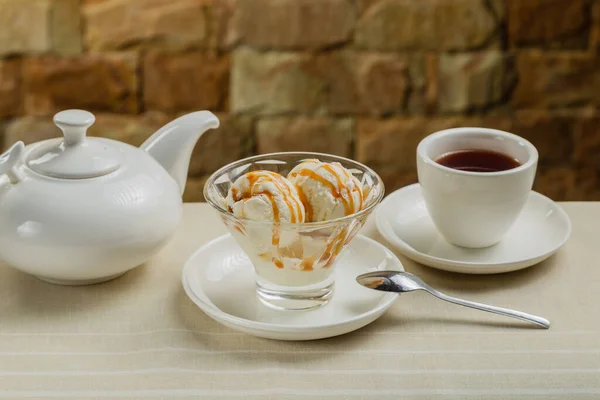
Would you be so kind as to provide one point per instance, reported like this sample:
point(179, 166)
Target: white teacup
point(475, 209)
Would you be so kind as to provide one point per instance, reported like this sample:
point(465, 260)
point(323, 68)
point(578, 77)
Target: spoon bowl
point(389, 281)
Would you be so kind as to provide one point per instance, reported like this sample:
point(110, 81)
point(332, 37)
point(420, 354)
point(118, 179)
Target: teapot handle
point(10, 160)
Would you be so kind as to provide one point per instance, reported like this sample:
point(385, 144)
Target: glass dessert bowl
point(294, 260)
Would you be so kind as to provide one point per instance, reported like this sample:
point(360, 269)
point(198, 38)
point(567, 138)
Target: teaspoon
point(403, 282)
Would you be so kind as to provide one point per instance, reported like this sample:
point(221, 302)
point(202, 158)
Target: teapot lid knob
point(74, 124)
point(75, 156)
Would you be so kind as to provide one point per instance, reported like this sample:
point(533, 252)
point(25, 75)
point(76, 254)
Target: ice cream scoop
point(265, 196)
point(328, 190)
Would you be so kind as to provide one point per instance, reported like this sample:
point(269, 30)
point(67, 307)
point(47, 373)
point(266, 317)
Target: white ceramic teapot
point(81, 210)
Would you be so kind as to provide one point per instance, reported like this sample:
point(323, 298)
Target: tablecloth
point(139, 336)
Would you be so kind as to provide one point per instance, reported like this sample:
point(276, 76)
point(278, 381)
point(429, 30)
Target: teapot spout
point(172, 145)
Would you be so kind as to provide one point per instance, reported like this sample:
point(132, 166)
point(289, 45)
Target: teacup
point(475, 209)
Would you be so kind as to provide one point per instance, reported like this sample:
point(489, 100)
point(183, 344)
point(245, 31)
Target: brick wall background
point(365, 79)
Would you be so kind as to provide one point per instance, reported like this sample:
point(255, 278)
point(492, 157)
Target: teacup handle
point(10, 160)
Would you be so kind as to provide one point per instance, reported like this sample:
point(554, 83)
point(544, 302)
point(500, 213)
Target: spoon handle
point(493, 309)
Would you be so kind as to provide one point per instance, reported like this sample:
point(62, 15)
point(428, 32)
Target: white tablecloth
point(140, 337)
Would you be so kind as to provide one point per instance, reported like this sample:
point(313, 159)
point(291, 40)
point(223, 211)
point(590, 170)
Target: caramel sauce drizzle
point(296, 212)
point(337, 192)
point(294, 206)
point(348, 202)
point(256, 177)
point(338, 248)
point(313, 175)
point(328, 251)
point(275, 240)
point(357, 188)
point(307, 264)
point(307, 206)
point(333, 249)
point(244, 209)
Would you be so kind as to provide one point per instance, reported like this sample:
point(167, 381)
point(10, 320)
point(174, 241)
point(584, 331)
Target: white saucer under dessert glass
point(542, 228)
point(219, 279)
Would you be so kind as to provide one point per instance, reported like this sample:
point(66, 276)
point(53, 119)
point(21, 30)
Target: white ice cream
point(265, 196)
point(328, 190)
point(314, 191)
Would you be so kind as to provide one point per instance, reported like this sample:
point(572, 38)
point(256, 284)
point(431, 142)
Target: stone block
point(595, 25)
point(395, 179)
point(40, 26)
point(193, 190)
point(427, 25)
point(473, 81)
point(587, 142)
point(223, 35)
point(321, 135)
point(587, 185)
point(293, 24)
point(185, 81)
point(383, 82)
point(557, 80)
point(548, 23)
point(551, 133)
point(10, 87)
point(274, 83)
point(233, 140)
point(131, 129)
point(557, 183)
point(30, 130)
point(93, 82)
point(121, 24)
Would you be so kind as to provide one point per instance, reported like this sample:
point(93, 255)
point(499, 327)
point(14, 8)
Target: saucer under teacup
point(541, 229)
point(219, 279)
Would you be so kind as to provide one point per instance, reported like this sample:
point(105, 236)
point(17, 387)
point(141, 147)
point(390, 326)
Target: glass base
point(301, 298)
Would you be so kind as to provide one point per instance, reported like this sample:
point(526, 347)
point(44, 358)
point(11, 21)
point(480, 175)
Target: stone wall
point(365, 79)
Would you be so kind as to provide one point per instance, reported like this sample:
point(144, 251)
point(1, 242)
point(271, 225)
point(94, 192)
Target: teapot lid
point(75, 156)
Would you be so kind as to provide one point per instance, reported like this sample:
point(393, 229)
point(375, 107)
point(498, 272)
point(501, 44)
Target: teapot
point(81, 210)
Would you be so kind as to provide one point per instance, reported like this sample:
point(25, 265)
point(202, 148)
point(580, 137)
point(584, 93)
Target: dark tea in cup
point(477, 161)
